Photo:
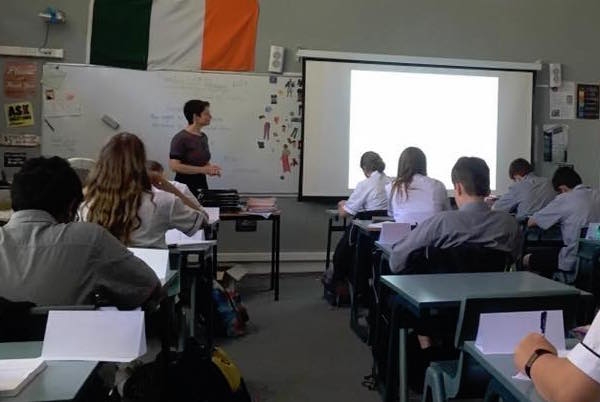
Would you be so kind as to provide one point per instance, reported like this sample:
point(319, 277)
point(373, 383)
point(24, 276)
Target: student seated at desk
point(48, 259)
point(367, 199)
point(574, 208)
point(473, 222)
point(119, 197)
point(412, 196)
point(156, 170)
point(529, 194)
point(575, 378)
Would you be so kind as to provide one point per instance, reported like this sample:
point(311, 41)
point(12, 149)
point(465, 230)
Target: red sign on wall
point(20, 79)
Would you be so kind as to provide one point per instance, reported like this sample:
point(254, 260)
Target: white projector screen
point(448, 112)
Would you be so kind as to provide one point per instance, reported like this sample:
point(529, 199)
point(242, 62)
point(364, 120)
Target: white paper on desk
point(500, 333)
point(16, 373)
point(375, 225)
point(213, 214)
point(392, 232)
point(523, 377)
point(155, 258)
point(109, 336)
point(178, 238)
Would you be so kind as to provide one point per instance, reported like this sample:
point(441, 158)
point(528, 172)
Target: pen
point(543, 316)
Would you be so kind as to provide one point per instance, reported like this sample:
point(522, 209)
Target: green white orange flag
point(174, 34)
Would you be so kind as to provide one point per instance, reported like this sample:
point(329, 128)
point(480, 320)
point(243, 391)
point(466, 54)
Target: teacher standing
point(189, 156)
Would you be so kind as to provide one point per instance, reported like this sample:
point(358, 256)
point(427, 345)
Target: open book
point(15, 374)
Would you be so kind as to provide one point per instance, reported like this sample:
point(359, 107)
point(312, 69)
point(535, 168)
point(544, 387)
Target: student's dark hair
point(474, 174)
point(371, 161)
point(194, 107)
point(519, 167)
point(412, 161)
point(154, 166)
point(47, 184)
point(565, 176)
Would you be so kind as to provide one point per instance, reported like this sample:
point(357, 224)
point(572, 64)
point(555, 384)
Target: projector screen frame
point(406, 61)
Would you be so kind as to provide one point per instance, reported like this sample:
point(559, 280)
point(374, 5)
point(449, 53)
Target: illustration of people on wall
point(285, 159)
point(290, 87)
point(294, 132)
point(267, 130)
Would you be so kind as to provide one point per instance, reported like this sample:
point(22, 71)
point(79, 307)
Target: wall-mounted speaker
point(276, 57)
point(555, 71)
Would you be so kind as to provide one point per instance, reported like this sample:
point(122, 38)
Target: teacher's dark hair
point(474, 174)
point(47, 184)
point(194, 107)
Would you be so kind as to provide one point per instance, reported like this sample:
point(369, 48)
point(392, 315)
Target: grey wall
point(511, 30)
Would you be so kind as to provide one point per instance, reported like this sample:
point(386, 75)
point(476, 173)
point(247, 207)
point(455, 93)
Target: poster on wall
point(14, 159)
point(562, 101)
point(19, 114)
point(588, 101)
point(556, 141)
point(19, 79)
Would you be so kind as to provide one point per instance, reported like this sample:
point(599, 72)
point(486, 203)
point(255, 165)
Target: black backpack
point(191, 376)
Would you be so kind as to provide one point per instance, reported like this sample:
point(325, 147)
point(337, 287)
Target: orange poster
point(20, 79)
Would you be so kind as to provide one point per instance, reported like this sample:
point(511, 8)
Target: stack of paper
point(261, 205)
point(15, 374)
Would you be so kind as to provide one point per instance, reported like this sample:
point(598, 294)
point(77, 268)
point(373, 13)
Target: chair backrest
point(472, 308)
point(23, 321)
point(466, 258)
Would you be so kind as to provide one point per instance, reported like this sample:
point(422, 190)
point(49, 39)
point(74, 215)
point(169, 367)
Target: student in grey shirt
point(529, 194)
point(574, 208)
point(473, 222)
point(48, 259)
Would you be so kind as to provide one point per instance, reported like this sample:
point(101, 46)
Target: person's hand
point(212, 170)
point(490, 200)
point(527, 346)
point(341, 203)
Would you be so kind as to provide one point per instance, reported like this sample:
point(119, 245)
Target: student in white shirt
point(575, 378)
point(367, 199)
point(119, 197)
point(155, 168)
point(369, 194)
point(528, 195)
point(414, 197)
point(574, 208)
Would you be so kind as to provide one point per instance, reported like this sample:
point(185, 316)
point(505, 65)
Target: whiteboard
point(254, 116)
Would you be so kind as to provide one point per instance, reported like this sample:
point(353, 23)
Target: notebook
point(15, 374)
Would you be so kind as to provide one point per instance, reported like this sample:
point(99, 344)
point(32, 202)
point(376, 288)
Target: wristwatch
point(534, 356)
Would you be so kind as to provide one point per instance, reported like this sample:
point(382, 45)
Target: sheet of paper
point(375, 225)
point(14, 372)
point(213, 214)
point(562, 101)
point(392, 232)
point(110, 336)
point(157, 259)
point(59, 103)
point(176, 237)
point(499, 333)
point(237, 272)
point(53, 78)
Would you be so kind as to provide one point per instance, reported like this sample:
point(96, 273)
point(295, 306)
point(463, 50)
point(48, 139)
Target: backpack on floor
point(230, 315)
point(192, 376)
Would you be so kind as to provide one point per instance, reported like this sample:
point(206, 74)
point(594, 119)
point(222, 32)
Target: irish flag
point(174, 34)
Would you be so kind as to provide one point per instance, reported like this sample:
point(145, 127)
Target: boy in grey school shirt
point(574, 208)
point(48, 259)
point(473, 222)
point(529, 194)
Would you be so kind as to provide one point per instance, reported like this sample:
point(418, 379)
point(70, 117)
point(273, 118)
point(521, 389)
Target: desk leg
point(277, 223)
point(329, 227)
point(192, 318)
point(402, 374)
point(209, 271)
point(273, 246)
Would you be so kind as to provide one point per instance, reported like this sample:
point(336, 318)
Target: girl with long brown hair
point(414, 197)
point(119, 197)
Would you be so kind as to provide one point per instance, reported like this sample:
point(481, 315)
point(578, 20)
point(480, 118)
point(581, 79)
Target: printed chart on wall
point(254, 135)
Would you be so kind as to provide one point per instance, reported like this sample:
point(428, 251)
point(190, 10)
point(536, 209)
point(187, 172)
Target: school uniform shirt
point(426, 197)
point(50, 263)
point(471, 223)
point(369, 195)
point(526, 197)
point(184, 189)
point(159, 212)
point(586, 355)
point(573, 210)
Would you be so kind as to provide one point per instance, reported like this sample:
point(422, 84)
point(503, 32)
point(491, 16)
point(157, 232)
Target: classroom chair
point(465, 258)
point(464, 378)
point(536, 239)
